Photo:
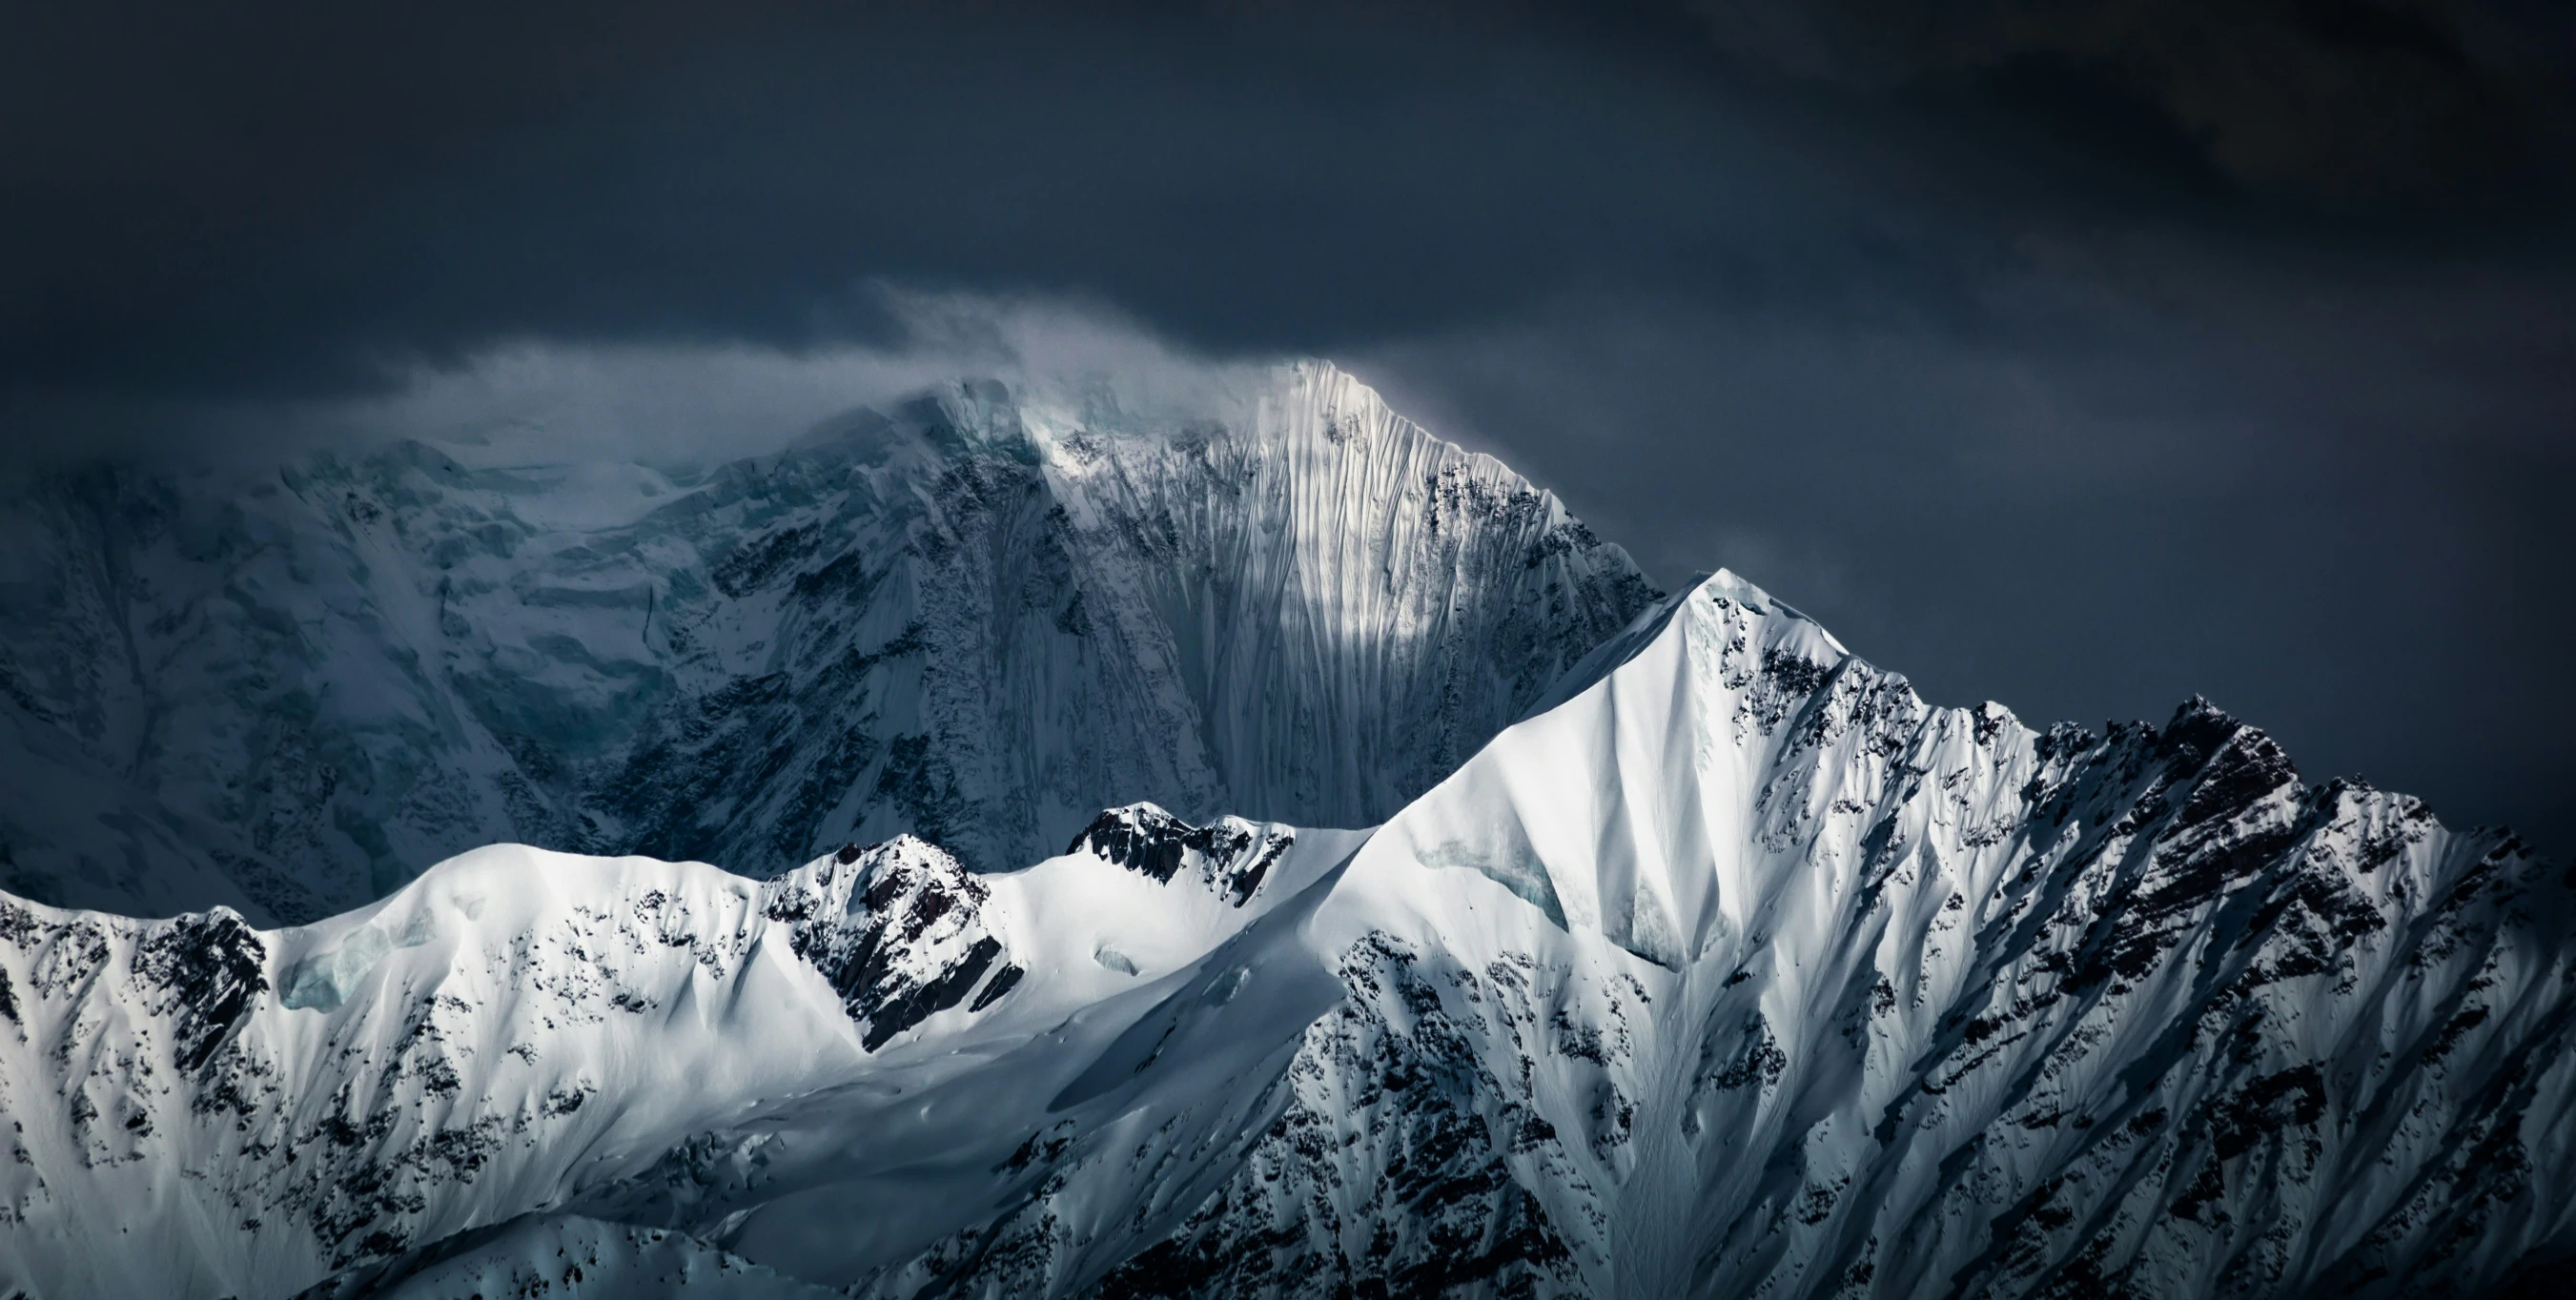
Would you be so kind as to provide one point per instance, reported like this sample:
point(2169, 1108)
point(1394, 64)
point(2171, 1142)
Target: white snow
point(980, 616)
point(1732, 969)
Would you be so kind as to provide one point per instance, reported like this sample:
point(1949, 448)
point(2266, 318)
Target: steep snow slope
point(1743, 972)
point(977, 617)
point(201, 1108)
point(1836, 993)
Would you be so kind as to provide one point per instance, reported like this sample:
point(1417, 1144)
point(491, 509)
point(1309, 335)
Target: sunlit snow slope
point(1736, 971)
point(201, 1108)
point(979, 616)
point(1743, 972)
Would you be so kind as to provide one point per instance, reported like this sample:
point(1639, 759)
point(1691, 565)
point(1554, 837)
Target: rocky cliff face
point(979, 617)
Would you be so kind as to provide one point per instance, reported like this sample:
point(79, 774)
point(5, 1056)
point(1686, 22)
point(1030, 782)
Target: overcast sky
point(2076, 355)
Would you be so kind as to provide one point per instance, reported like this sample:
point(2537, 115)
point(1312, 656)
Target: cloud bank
point(2078, 356)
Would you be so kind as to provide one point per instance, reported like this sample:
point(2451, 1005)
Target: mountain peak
point(977, 616)
point(1694, 954)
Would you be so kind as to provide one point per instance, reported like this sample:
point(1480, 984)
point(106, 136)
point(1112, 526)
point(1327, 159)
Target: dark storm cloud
point(282, 196)
point(2340, 95)
point(2078, 355)
point(285, 198)
point(2338, 517)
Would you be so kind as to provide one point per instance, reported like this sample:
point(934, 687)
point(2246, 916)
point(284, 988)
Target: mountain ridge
point(978, 615)
point(1739, 969)
point(1693, 954)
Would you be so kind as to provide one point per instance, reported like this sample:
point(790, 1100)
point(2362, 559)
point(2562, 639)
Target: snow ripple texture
point(977, 617)
point(1736, 970)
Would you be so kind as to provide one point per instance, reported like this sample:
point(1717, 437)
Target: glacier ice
point(325, 980)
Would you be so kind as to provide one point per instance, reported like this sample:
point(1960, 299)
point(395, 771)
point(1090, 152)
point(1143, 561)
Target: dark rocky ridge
point(1233, 856)
point(898, 932)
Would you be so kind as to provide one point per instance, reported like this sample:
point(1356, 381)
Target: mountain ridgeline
point(970, 617)
point(1692, 956)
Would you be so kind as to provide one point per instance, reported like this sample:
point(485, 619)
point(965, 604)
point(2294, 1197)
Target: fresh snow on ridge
point(1693, 956)
point(245, 1111)
point(979, 617)
point(1742, 971)
point(1855, 996)
point(1738, 971)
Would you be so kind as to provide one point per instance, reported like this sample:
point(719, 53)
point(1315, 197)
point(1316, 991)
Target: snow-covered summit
point(1888, 999)
point(1740, 970)
point(1694, 955)
point(978, 616)
point(1744, 971)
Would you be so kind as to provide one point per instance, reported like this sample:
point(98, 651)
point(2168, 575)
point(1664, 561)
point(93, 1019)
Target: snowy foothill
point(517, 1030)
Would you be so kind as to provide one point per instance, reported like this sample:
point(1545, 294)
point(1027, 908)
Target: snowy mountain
point(256, 1109)
point(979, 616)
point(1735, 969)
